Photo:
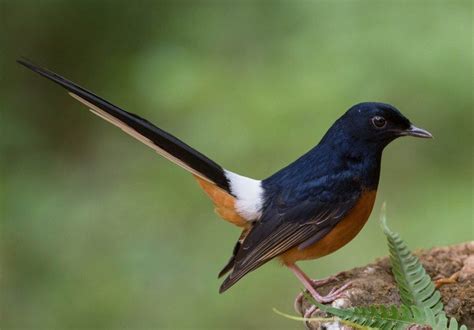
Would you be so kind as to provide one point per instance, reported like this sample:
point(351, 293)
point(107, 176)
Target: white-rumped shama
point(308, 209)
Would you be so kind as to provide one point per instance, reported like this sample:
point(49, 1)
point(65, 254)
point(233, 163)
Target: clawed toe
point(319, 283)
point(311, 285)
point(338, 291)
point(298, 304)
point(309, 312)
point(335, 293)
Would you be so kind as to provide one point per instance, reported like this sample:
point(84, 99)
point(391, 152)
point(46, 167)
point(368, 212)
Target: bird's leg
point(310, 286)
point(316, 284)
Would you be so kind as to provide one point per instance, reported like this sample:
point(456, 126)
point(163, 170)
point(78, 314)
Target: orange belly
point(342, 234)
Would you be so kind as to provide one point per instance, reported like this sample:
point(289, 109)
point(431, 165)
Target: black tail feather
point(163, 140)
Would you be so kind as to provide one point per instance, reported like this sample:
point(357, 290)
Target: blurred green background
point(97, 231)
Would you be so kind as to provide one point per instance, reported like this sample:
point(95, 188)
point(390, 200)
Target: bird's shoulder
point(329, 188)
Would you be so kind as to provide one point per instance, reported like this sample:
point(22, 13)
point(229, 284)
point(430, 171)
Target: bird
point(306, 210)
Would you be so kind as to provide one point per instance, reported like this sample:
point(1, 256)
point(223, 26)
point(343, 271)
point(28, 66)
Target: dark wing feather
point(230, 264)
point(281, 229)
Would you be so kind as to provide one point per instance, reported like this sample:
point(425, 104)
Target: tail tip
point(24, 61)
point(29, 64)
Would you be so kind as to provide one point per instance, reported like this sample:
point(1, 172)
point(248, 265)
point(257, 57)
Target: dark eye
point(379, 122)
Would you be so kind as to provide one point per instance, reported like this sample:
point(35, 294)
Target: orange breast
point(342, 234)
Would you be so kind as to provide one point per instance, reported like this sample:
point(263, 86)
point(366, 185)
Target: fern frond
point(442, 324)
point(414, 284)
point(421, 302)
point(380, 317)
point(392, 317)
point(322, 319)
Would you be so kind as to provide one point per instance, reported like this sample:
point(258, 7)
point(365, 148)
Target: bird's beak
point(417, 132)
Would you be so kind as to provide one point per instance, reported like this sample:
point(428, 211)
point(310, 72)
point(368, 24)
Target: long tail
point(164, 143)
point(238, 199)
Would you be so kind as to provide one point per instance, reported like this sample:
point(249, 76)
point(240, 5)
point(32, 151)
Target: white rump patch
point(249, 194)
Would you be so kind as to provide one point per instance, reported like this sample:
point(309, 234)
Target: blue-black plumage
point(306, 210)
point(305, 200)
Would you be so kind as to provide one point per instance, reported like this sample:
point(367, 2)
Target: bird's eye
point(379, 122)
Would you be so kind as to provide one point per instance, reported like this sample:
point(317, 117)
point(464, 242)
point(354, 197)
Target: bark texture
point(374, 284)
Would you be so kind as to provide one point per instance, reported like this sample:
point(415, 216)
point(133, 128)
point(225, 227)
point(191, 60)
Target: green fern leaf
point(421, 302)
point(414, 284)
point(442, 324)
point(391, 317)
point(380, 317)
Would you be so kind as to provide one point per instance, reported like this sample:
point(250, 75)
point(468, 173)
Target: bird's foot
point(324, 281)
point(335, 293)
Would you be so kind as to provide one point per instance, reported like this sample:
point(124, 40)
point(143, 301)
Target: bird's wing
point(281, 229)
point(237, 198)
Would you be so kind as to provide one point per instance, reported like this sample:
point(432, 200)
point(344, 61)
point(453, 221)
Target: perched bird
point(307, 210)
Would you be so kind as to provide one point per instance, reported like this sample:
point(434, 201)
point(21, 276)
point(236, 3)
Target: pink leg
point(316, 284)
point(309, 285)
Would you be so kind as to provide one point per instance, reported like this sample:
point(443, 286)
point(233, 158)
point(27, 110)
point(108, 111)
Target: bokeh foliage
point(99, 232)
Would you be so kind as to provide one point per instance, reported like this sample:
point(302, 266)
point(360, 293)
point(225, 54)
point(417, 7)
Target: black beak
point(417, 132)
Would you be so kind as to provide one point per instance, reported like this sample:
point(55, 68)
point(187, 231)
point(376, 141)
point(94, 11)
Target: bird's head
point(378, 123)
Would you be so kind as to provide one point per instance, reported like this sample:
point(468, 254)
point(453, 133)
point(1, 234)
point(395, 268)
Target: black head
point(377, 123)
